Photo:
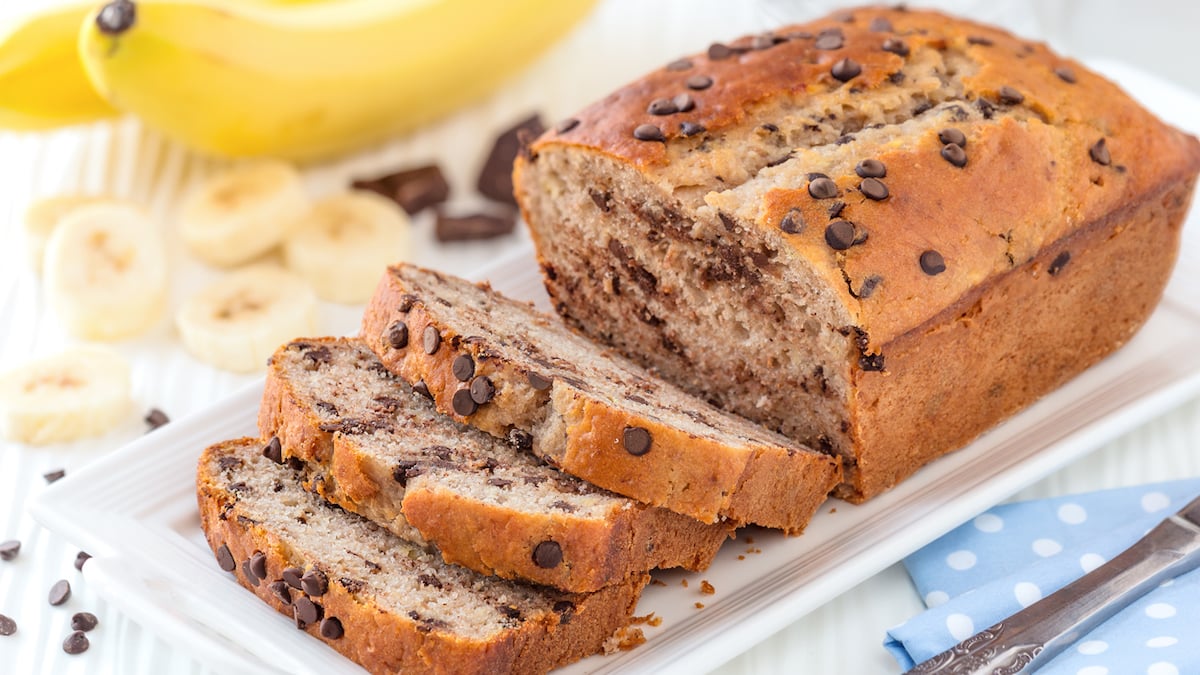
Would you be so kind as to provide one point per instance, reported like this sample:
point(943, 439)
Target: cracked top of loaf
point(903, 156)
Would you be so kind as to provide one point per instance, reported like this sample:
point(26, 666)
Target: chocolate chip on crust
point(880, 24)
point(547, 554)
point(273, 450)
point(306, 611)
point(1060, 261)
point(689, 129)
point(873, 188)
point(662, 106)
point(1099, 152)
point(314, 583)
point(845, 70)
point(1065, 74)
point(829, 39)
point(871, 168)
point(699, 82)
point(637, 441)
point(979, 40)
point(648, 132)
point(331, 628)
point(397, 335)
point(684, 102)
point(792, 222)
point(895, 46)
point(463, 404)
point(463, 367)
point(719, 52)
point(282, 590)
point(258, 564)
point(406, 303)
point(422, 389)
point(867, 289)
point(1010, 96)
point(953, 153)
point(482, 389)
point(291, 576)
point(951, 135)
point(431, 339)
point(249, 574)
point(840, 235)
point(822, 188)
point(932, 263)
point(679, 64)
point(537, 381)
point(225, 559)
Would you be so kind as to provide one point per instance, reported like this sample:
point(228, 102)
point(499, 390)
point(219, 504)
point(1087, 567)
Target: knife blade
point(1033, 636)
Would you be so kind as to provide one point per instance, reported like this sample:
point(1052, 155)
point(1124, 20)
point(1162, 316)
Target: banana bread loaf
point(379, 450)
point(505, 368)
point(880, 233)
point(383, 602)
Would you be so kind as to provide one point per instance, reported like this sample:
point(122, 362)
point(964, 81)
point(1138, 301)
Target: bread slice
point(381, 451)
point(384, 602)
point(512, 371)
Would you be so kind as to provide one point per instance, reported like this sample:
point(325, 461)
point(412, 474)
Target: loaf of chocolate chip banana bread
point(384, 602)
point(880, 233)
point(372, 446)
point(503, 367)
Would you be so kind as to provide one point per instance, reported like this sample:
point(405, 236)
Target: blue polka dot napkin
point(1014, 554)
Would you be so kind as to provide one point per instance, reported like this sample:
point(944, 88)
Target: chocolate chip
point(566, 125)
point(648, 132)
point(7, 625)
point(315, 583)
point(155, 419)
point(637, 441)
point(422, 389)
point(953, 153)
point(495, 178)
point(793, 222)
point(273, 450)
point(77, 642)
point(846, 70)
point(331, 628)
point(225, 559)
point(1010, 96)
point(463, 367)
point(718, 51)
point(880, 25)
point(431, 339)
point(835, 209)
point(699, 82)
point(473, 226)
point(870, 168)
point(398, 335)
point(829, 39)
point(868, 286)
point(115, 18)
point(689, 129)
point(979, 40)
point(1060, 261)
point(83, 556)
point(9, 549)
point(406, 303)
point(482, 389)
point(258, 564)
point(895, 46)
point(1065, 74)
point(1099, 153)
point(51, 476)
point(520, 439)
point(59, 592)
point(871, 362)
point(565, 610)
point(840, 235)
point(954, 136)
point(291, 576)
point(295, 463)
point(822, 188)
point(547, 554)
point(661, 106)
point(249, 574)
point(679, 64)
point(84, 621)
point(873, 188)
point(306, 611)
point(282, 590)
point(463, 404)
point(932, 263)
point(537, 381)
point(684, 102)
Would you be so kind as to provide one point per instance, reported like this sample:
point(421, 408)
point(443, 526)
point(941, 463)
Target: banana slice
point(78, 393)
point(344, 243)
point(44, 215)
point(106, 272)
point(239, 321)
point(242, 213)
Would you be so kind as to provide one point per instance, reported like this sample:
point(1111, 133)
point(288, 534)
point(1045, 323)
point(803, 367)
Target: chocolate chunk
point(566, 125)
point(870, 168)
point(520, 439)
point(954, 136)
point(282, 590)
point(661, 106)
point(846, 70)
point(7, 625)
point(495, 179)
point(871, 362)
point(868, 286)
point(84, 621)
point(689, 129)
point(431, 339)
point(406, 303)
point(273, 450)
point(1010, 96)
point(258, 565)
point(463, 367)
point(9, 549)
point(835, 209)
point(295, 463)
point(637, 441)
point(83, 556)
point(155, 419)
point(412, 189)
point(547, 554)
point(77, 642)
point(331, 628)
point(895, 46)
point(979, 40)
point(1060, 261)
point(699, 82)
point(880, 25)
point(306, 611)
point(683, 102)
point(953, 153)
point(249, 574)
point(1065, 74)
point(51, 476)
point(462, 403)
point(1099, 153)
point(315, 583)
point(830, 39)
point(291, 576)
point(565, 610)
point(932, 263)
point(59, 592)
point(793, 222)
point(398, 335)
point(510, 612)
point(822, 188)
point(873, 188)
point(679, 64)
point(473, 226)
point(840, 235)
point(896, 78)
point(648, 132)
point(225, 559)
point(482, 389)
point(537, 381)
point(719, 52)
point(422, 389)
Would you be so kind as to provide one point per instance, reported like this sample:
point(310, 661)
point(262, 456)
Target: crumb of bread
point(655, 581)
point(649, 620)
point(699, 605)
point(741, 557)
point(707, 588)
point(833, 510)
point(749, 540)
point(685, 584)
point(623, 640)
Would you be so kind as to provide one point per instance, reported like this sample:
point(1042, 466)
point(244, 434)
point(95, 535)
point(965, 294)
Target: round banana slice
point(242, 213)
point(106, 272)
point(78, 393)
point(44, 215)
point(344, 243)
point(239, 321)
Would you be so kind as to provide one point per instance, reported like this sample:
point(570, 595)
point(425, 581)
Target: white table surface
point(619, 41)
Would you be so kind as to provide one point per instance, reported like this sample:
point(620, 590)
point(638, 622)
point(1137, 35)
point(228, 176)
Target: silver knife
point(1033, 636)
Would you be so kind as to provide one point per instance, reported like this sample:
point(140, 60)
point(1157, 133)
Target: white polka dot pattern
point(1162, 668)
point(1092, 647)
point(1090, 561)
point(961, 560)
point(1072, 514)
point(989, 522)
point(1162, 641)
point(1160, 610)
point(960, 626)
point(936, 598)
point(1046, 547)
point(1027, 593)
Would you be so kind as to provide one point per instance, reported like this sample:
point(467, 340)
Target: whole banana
point(309, 81)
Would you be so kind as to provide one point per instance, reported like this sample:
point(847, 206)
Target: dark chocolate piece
point(413, 189)
point(463, 367)
point(637, 441)
point(473, 226)
point(59, 592)
point(495, 179)
point(84, 621)
point(932, 263)
point(547, 554)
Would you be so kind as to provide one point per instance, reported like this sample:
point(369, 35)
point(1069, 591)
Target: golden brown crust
point(382, 642)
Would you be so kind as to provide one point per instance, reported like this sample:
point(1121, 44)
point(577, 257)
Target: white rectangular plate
point(135, 510)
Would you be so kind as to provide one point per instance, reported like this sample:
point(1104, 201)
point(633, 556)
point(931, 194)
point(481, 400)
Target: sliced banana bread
point(384, 602)
point(378, 449)
point(512, 371)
